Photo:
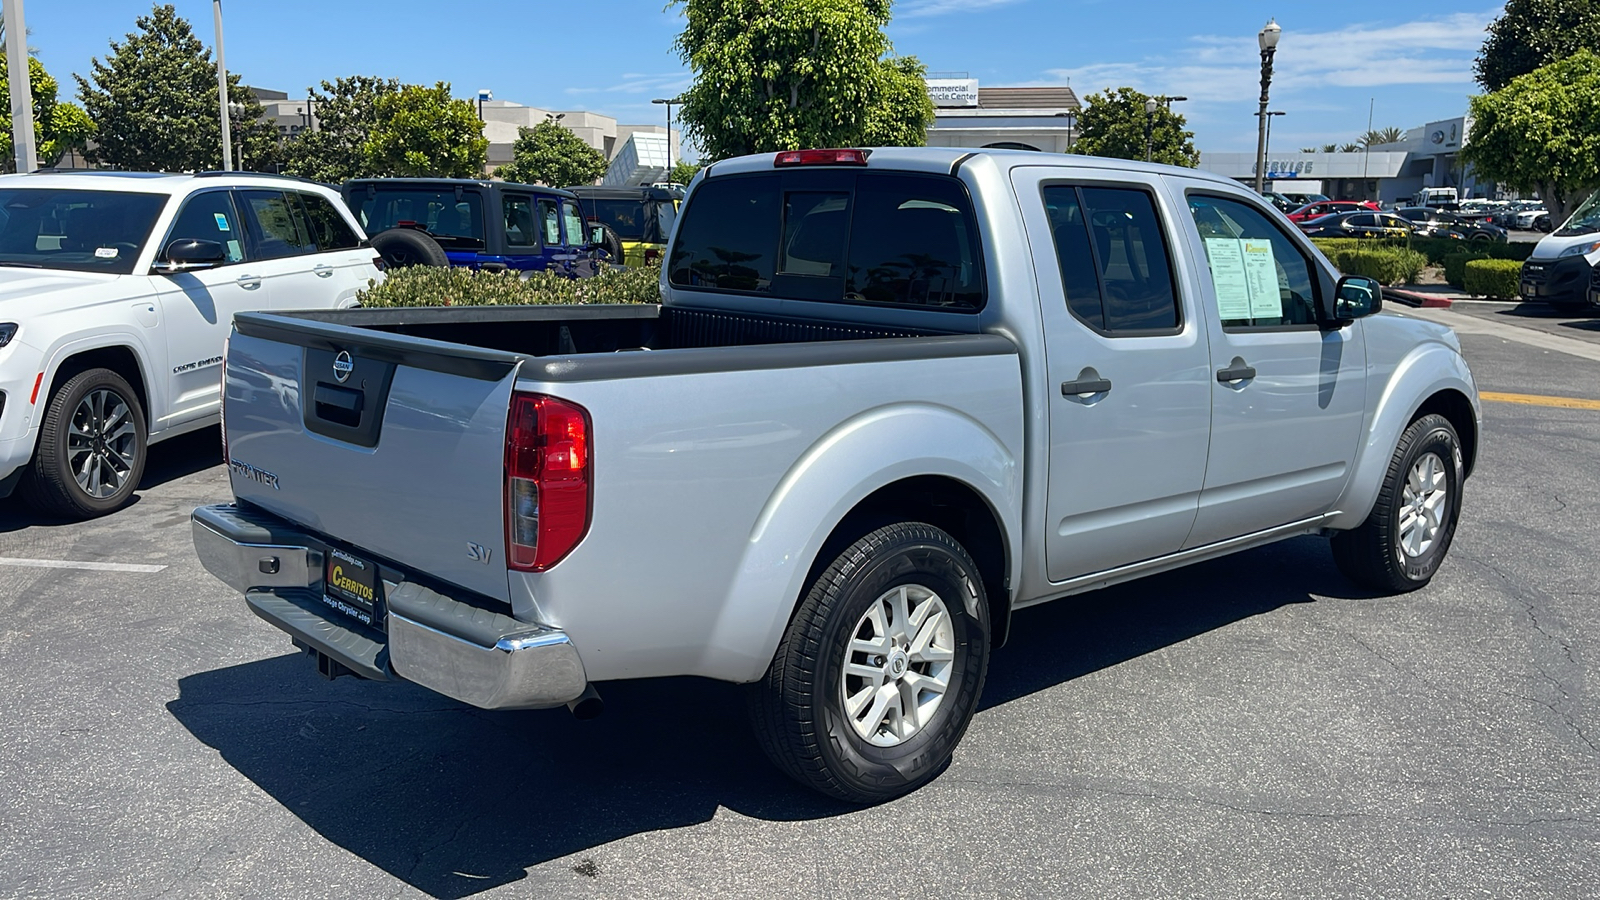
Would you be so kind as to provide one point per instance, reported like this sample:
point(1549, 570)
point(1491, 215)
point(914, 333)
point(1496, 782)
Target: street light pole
point(1149, 113)
point(222, 92)
point(668, 103)
point(1267, 40)
point(21, 94)
point(1269, 130)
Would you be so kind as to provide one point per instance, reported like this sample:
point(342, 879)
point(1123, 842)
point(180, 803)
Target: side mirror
point(1356, 296)
point(184, 255)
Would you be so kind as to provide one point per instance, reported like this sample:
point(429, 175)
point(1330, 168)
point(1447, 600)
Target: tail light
point(652, 256)
point(834, 157)
point(547, 481)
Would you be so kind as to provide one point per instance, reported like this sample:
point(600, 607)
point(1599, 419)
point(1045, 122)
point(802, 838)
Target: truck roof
point(943, 159)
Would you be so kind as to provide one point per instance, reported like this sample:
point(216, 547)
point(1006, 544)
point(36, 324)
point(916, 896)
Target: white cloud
point(918, 9)
point(670, 83)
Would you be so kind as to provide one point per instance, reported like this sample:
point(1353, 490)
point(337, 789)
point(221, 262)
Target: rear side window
point(868, 237)
point(329, 228)
point(730, 240)
point(280, 225)
point(1115, 268)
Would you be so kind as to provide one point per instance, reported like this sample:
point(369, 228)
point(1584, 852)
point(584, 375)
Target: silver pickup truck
point(889, 397)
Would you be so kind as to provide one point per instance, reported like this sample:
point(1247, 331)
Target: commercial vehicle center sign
point(947, 92)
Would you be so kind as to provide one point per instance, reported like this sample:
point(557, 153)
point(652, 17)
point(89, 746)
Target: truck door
point(1129, 371)
point(1287, 397)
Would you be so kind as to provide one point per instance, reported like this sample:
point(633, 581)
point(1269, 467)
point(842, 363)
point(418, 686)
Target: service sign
point(948, 92)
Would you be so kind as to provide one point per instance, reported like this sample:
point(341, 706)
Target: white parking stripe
point(68, 564)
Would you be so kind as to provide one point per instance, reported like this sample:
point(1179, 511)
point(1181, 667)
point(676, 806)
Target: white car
point(1526, 217)
point(117, 293)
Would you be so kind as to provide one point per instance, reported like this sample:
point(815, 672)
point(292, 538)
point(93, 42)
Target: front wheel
point(880, 670)
point(92, 447)
point(1409, 531)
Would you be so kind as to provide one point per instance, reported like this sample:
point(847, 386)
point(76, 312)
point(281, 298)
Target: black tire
point(798, 708)
point(1373, 555)
point(402, 247)
point(51, 485)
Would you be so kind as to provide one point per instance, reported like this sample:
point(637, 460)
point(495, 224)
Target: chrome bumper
point(489, 660)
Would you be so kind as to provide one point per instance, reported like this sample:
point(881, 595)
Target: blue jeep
point(474, 224)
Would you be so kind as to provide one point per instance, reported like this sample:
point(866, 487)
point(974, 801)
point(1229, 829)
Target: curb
point(1415, 299)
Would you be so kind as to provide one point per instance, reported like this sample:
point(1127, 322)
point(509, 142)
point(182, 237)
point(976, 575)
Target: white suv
point(117, 292)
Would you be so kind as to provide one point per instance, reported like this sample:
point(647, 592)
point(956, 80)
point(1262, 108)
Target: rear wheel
point(1409, 531)
point(880, 670)
point(92, 448)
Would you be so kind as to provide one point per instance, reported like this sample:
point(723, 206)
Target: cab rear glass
point(838, 236)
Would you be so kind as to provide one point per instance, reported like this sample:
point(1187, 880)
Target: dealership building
point(1006, 118)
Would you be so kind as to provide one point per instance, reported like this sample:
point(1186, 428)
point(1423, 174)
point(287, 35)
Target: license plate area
point(351, 586)
point(1529, 290)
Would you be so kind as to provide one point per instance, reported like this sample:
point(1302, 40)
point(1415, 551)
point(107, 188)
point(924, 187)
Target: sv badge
point(478, 553)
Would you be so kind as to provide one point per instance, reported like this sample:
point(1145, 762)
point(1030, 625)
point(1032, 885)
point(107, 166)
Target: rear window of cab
point(839, 236)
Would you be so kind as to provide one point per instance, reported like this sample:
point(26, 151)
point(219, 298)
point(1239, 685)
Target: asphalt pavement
point(1249, 727)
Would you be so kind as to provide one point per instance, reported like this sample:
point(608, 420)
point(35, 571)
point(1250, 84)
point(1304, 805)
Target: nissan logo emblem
point(343, 366)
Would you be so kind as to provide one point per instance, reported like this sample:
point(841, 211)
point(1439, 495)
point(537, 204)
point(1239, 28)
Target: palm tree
point(1390, 135)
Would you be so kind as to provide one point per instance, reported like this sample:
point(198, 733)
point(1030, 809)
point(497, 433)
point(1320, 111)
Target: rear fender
point(876, 448)
point(1424, 372)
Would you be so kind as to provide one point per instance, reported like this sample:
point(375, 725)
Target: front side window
point(573, 218)
point(521, 230)
point(75, 230)
point(1261, 278)
point(208, 216)
point(281, 229)
point(328, 227)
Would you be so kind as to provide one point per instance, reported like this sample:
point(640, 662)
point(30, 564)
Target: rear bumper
point(487, 659)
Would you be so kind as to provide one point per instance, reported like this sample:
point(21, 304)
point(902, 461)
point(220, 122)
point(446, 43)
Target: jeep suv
point(642, 217)
point(117, 293)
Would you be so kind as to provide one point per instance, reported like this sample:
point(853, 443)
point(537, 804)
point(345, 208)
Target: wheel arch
point(119, 358)
point(912, 462)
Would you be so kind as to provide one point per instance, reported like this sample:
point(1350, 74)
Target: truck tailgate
point(392, 444)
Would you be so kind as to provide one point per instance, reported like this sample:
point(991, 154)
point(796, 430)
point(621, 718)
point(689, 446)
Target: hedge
point(1493, 277)
point(1455, 267)
point(1390, 265)
point(428, 286)
point(1435, 249)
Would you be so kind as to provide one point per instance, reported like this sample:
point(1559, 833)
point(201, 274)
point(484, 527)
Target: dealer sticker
point(105, 253)
point(222, 221)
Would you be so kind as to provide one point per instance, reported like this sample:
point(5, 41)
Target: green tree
point(154, 103)
point(424, 132)
point(57, 127)
point(549, 153)
point(1541, 133)
point(1390, 135)
point(1113, 124)
point(683, 172)
point(1531, 34)
point(346, 116)
point(786, 74)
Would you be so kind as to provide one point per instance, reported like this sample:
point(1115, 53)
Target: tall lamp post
point(1267, 40)
point(668, 103)
point(1149, 114)
point(1269, 116)
point(222, 92)
point(16, 51)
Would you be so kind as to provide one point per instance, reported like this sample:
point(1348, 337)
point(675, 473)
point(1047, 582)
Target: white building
point(502, 119)
point(1016, 118)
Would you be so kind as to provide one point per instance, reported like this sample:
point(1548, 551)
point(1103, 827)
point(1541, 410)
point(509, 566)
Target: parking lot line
point(1539, 400)
point(89, 566)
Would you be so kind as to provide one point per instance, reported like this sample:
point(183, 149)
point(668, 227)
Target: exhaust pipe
point(587, 706)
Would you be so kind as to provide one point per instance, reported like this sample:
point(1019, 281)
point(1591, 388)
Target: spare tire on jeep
point(402, 247)
point(609, 241)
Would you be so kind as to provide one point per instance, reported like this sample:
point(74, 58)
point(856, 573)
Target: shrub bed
point(1435, 249)
point(1493, 277)
point(428, 286)
point(1455, 267)
point(1390, 265)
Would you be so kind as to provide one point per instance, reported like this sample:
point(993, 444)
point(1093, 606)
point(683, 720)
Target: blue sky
point(613, 56)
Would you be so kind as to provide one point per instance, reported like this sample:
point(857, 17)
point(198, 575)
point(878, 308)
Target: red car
point(1329, 207)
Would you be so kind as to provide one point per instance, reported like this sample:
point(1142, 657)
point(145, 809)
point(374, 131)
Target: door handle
point(1236, 372)
point(1088, 384)
point(249, 282)
point(323, 271)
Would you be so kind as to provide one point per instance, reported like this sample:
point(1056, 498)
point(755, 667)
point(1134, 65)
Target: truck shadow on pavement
point(455, 801)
